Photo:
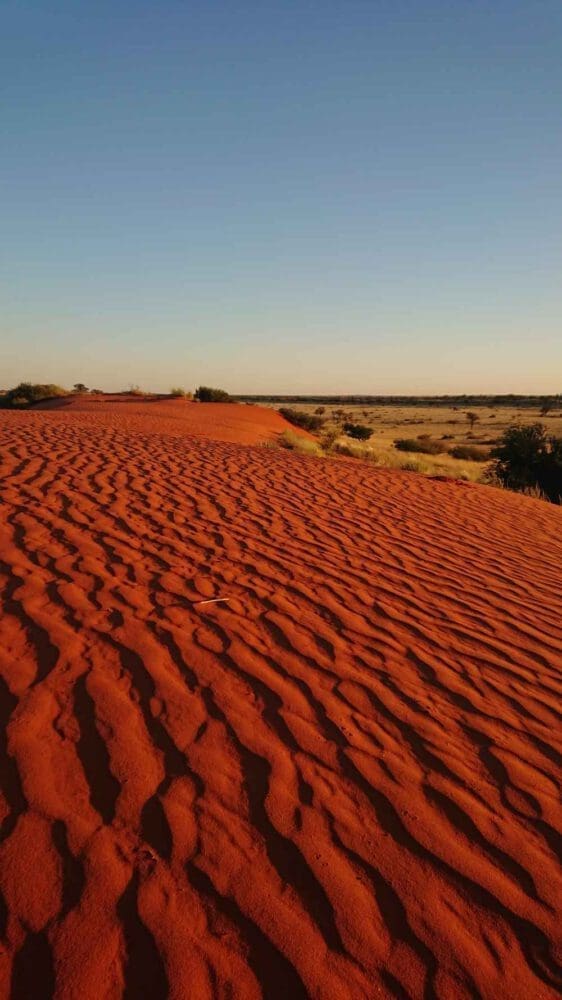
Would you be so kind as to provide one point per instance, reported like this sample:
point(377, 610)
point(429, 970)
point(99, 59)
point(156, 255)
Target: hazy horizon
point(342, 198)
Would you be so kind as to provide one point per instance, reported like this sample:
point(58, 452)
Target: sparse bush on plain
point(308, 421)
point(547, 406)
point(358, 431)
point(427, 447)
point(329, 439)
point(470, 453)
point(178, 393)
point(527, 458)
point(206, 394)
point(355, 449)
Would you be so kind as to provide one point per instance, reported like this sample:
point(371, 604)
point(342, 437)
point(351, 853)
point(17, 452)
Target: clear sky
point(282, 196)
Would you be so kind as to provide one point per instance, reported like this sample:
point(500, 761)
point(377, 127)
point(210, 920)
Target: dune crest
point(340, 781)
point(244, 424)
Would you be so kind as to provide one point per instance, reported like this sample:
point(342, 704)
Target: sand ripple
point(342, 782)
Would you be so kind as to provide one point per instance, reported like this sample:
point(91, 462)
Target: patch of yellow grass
point(427, 465)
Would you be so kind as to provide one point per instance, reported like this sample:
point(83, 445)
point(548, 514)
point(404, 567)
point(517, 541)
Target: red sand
point(342, 783)
point(214, 421)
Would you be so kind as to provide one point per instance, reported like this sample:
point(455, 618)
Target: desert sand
point(341, 781)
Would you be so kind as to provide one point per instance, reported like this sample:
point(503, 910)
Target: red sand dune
point(214, 421)
point(341, 783)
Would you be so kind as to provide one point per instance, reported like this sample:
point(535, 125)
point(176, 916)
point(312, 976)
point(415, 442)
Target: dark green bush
point(308, 421)
point(358, 431)
point(470, 453)
point(27, 393)
point(205, 394)
point(528, 458)
point(423, 447)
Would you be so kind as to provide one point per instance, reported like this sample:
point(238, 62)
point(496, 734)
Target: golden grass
point(446, 424)
point(384, 457)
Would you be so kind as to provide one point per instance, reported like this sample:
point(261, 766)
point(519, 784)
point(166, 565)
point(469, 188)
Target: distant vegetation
point(424, 445)
point(461, 402)
point(206, 394)
point(527, 459)
point(178, 393)
point(308, 421)
point(358, 431)
point(27, 393)
point(470, 453)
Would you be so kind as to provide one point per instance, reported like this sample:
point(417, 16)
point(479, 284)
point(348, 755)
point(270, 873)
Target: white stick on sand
point(213, 600)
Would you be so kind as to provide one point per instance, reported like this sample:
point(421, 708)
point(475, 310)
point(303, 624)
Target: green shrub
point(308, 421)
point(28, 393)
point(527, 458)
point(178, 393)
point(360, 432)
point(470, 453)
point(206, 394)
point(427, 447)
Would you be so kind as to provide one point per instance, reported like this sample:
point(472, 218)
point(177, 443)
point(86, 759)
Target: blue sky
point(290, 196)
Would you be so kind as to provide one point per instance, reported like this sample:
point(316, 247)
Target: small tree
point(527, 458)
point(472, 418)
point(80, 387)
point(547, 405)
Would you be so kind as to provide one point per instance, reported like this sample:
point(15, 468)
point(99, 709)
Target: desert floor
point(391, 422)
point(339, 782)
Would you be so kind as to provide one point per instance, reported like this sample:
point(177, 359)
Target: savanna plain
point(275, 721)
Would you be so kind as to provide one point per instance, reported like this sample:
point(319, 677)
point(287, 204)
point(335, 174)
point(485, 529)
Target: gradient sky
point(292, 196)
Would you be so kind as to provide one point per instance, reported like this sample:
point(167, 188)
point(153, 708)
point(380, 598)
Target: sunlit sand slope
point(212, 421)
point(341, 782)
